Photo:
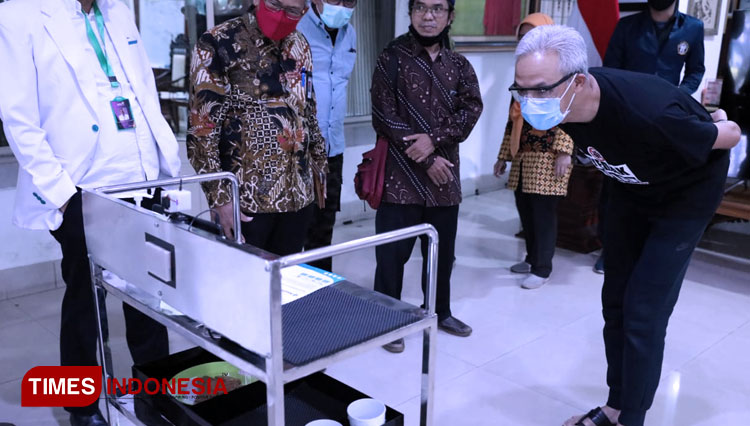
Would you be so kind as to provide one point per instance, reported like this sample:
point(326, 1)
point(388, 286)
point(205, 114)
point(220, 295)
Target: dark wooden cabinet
point(577, 213)
point(3, 141)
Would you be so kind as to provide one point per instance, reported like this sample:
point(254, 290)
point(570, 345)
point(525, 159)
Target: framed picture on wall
point(708, 11)
point(488, 24)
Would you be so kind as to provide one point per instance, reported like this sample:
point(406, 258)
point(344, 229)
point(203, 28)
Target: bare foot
point(611, 413)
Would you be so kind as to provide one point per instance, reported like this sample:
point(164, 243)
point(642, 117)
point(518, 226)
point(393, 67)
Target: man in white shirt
point(333, 42)
point(80, 110)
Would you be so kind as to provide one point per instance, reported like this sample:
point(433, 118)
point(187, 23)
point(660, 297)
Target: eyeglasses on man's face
point(438, 11)
point(346, 3)
point(295, 13)
point(541, 92)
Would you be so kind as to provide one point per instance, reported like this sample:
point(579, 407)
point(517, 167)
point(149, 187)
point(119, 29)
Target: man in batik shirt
point(252, 112)
point(425, 101)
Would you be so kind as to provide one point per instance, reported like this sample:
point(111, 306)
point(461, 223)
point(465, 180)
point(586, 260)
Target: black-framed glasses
point(294, 13)
point(519, 92)
point(437, 11)
point(346, 3)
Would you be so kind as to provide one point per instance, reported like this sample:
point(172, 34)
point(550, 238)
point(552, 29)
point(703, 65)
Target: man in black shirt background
point(668, 159)
point(660, 41)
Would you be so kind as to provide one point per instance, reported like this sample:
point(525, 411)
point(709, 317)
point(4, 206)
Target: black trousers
point(538, 215)
point(278, 233)
point(147, 339)
point(645, 263)
point(320, 233)
point(391, 258)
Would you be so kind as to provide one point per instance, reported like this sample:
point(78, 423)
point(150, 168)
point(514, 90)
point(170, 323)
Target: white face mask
point(335, 16)
point(545, 113)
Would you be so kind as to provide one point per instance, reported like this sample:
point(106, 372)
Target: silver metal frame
point(271, 369)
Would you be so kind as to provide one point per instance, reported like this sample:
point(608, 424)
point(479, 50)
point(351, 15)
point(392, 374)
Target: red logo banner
point(57, 386)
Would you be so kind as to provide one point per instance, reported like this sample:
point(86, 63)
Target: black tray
point(317, 396)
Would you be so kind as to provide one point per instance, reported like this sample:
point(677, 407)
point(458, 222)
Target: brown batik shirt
point(440, 98)
point(253, 113)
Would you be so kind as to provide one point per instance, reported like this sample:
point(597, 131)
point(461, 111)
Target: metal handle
point(375, 240)
point(135, 186)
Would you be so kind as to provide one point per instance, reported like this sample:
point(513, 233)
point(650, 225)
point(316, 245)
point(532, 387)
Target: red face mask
point(274, 25)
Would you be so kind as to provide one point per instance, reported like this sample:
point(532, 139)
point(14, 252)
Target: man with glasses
point(333, 42)
point(425, 101)
point(668, 159)
point(252, 112)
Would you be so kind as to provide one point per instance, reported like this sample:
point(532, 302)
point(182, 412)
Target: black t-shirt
point(656, 142)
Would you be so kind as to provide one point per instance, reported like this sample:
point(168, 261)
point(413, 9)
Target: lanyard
point(100, 54)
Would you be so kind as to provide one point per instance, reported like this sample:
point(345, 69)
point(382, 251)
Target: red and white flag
point(596, 21)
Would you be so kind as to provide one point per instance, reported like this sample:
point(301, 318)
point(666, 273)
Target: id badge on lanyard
point(121, 109)
point(123, 113)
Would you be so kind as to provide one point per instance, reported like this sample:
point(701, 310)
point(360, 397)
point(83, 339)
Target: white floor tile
point(26, 345)
point(395, 378)
point(478, 399)
point(685, 399)
point(725, 365)
point(561, 366)
point(10, 314)
point(11, 410)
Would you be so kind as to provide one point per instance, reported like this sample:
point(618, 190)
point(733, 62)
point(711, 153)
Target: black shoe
point(395, 347)
point(95, 419)
point(454, 326)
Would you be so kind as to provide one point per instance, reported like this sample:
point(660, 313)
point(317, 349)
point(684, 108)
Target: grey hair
point(565, 41)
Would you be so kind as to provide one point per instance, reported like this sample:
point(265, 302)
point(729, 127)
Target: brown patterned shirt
point(253, 113)
point(440, 98)
point(534, 163)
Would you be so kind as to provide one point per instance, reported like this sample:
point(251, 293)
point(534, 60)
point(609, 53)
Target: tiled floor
point(535, 358)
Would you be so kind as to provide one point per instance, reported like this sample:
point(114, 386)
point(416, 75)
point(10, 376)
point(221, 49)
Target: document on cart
point(300, 280)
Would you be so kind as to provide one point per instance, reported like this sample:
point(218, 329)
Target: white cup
point(323, 422)
point(366, 412)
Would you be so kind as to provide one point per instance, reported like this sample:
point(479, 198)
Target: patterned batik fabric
point(413, 94)
point(536, 160)
point(250, 114)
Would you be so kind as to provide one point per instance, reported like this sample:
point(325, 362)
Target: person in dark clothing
point(425, 101)
point(668, 158)
point(660, 41)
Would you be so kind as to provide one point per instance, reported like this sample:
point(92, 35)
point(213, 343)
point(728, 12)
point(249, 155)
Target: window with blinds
point(558, 10)
point(375, 25)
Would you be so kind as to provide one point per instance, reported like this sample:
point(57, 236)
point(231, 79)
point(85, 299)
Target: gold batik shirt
point(536, 160)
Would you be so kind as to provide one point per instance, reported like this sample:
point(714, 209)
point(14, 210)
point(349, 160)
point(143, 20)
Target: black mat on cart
point(330, 320)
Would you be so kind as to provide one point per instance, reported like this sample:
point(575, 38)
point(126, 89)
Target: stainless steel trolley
point(205, 277)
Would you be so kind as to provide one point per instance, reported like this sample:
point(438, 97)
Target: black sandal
point(597, 416)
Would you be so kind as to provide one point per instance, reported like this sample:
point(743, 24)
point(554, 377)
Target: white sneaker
point(521, 268)
point(533, 282)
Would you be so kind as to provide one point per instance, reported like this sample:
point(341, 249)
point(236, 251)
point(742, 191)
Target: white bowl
point(366, 412)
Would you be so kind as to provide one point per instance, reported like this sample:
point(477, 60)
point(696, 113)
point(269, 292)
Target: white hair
point(565, 41)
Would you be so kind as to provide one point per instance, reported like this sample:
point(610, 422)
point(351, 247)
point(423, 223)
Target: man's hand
point(562, 163)
point(64, 207)
point(440, 171)
point(500, 167)
point(421, 148)
point(719, 115)
point(225, 214)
